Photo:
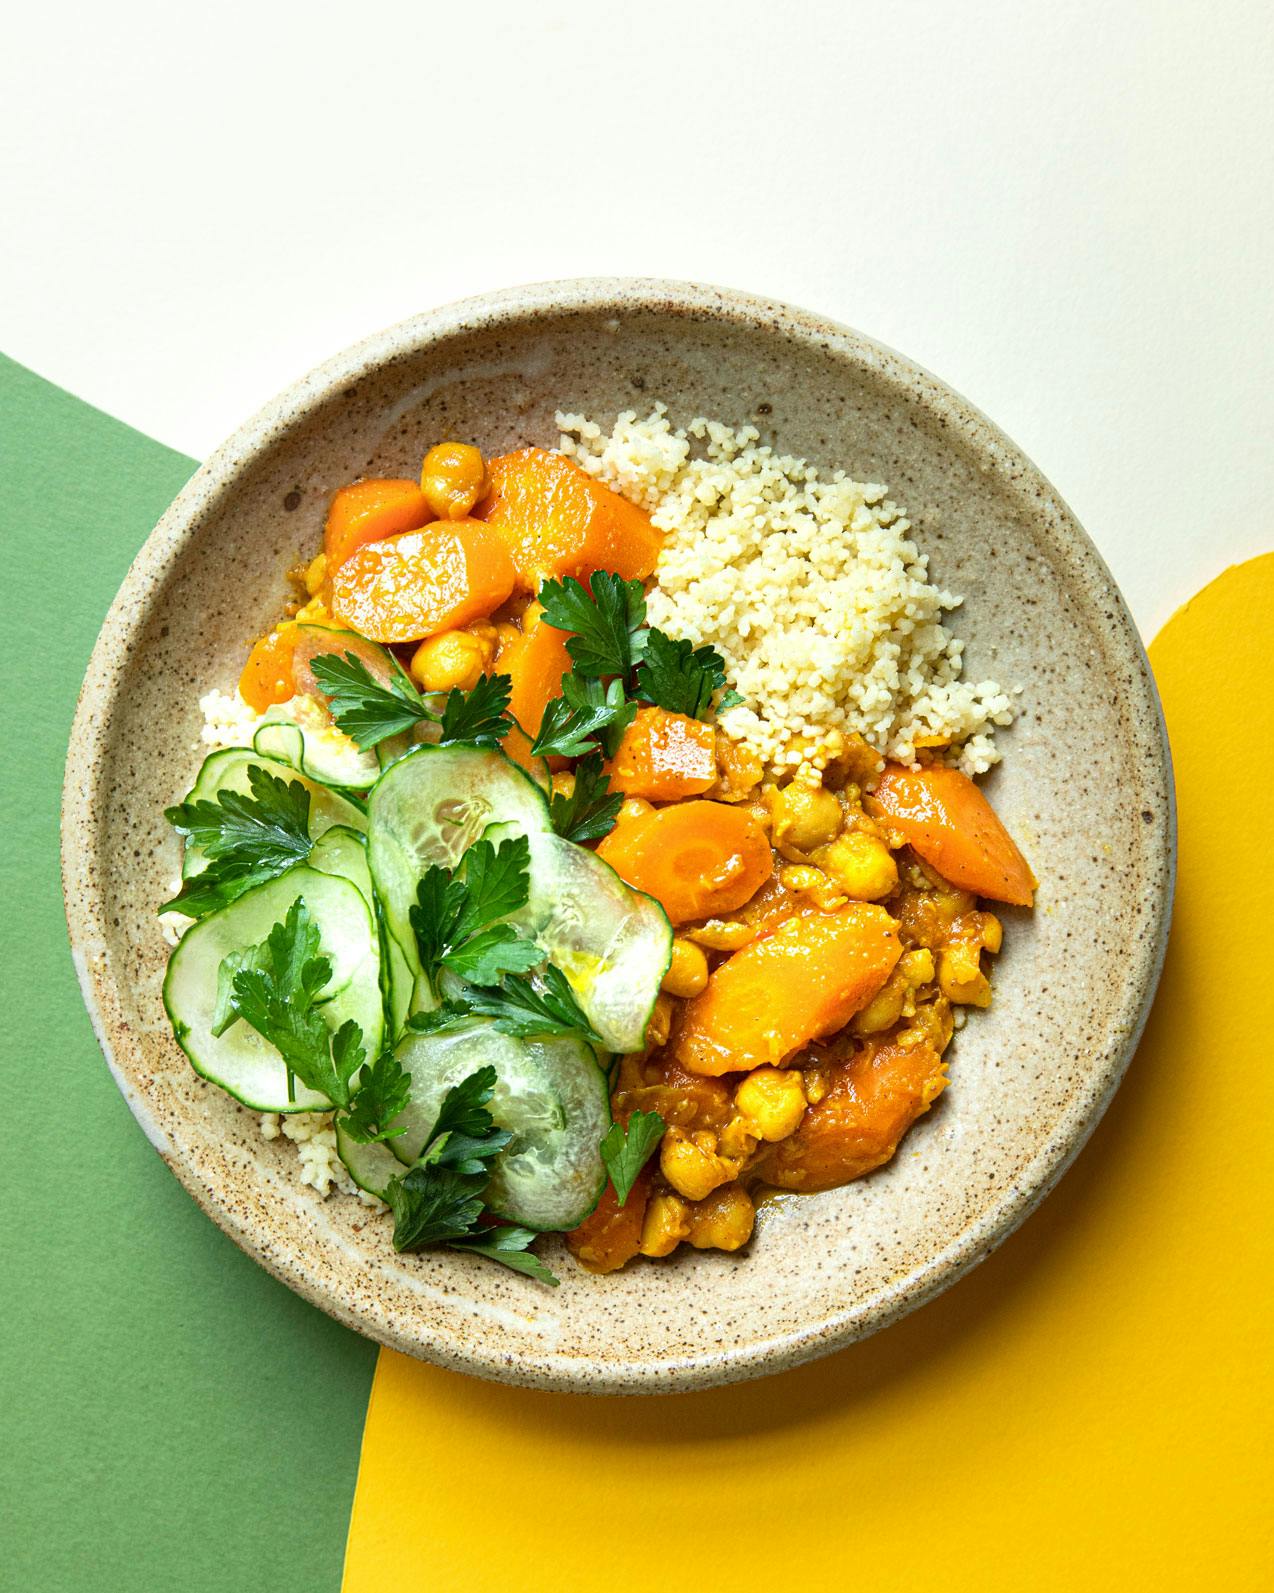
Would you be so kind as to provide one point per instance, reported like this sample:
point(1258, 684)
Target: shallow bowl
point(1085, 786)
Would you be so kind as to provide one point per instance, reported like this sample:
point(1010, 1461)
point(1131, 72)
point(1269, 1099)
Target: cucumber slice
point(228, 771)
point(343, 851)
point(240, 1060)
point(428, 808)
point(549, 1094)
point(322, 753)
point(370, 1166)
point(613, 943)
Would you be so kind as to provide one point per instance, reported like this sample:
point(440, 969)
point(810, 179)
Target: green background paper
point(174, 1419)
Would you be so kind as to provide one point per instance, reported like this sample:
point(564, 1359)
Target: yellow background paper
point(1089, 1410)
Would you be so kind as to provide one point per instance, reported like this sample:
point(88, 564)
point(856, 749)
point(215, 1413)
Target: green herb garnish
point(455, 915)
point(438, 1200)
point(278, 995)
point(247, 838)
point(626, 1153)
point(591, 809)
point(368, 710)
point(679, 677)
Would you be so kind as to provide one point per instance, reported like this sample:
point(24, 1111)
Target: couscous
point(592, 845)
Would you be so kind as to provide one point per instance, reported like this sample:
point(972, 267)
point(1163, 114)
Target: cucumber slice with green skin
point(612, 943)
point(429, 807)
point(343, 851)
point(321, 753)
point(240, 1060)
point(370, 1166)
point(550, 1095)
point(228, 771)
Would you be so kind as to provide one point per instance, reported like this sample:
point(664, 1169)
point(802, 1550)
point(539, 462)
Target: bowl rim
point(90, 734)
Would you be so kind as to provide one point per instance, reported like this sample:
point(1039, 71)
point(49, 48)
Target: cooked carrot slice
point(802, 982)
point(556, 520)
point(535, 663)
point(268, 676)
point(368, 511)
point(664, 756)
point(946, 819)
point(697, 859)
point(872, 1103)
point(409, 587)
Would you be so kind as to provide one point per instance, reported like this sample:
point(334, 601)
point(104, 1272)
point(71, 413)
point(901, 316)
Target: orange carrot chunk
point(804, 981)
point(556, 520)
point(535, 663)
point(874, 1099)
point(612, 1235)
point(943, 816)
point(664, 757)
point(409, 587)
point(697, 859)
point(267, 676)
point(369, 511)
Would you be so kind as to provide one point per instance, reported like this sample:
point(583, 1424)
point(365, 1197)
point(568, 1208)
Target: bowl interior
point(1084, 787)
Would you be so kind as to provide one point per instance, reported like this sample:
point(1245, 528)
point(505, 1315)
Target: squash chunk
point(409, 587)
point(875, 1099)
point(664, 757)
point(556, 520)
point(804, 981)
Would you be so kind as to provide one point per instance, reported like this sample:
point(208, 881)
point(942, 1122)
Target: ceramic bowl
point(1085, 787)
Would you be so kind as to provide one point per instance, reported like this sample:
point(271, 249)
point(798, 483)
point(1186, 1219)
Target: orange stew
point(827, 925)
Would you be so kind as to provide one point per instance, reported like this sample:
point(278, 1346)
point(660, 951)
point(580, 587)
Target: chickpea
point(484, 632)
point(894, 1000)
point(722, 934)
point(315, 613)
point(450, 659)
point(506, 636)
point(804, 880)
point(805, 817)
point(666, 1224)
point(660, 1025)
point(737, 1140)
point(315, 574)
point(634, 808)
point(453, 477)
point(688, 971)
point(992, 933)
point(861, 865)
point(691, 1165)
point(774, 1100)
point(724, 1221)
point(960, 975)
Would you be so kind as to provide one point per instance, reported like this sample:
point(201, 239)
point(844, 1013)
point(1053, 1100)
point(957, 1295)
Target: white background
point(1065, 209)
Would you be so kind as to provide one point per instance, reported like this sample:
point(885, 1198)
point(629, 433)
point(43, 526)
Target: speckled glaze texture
point(1086, 788)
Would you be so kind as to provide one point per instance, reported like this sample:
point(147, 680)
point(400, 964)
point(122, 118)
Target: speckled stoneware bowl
point(1085, 787)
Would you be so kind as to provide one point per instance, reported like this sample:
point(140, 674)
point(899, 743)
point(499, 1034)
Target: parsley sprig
point(439, 1199)
point(612, 641)
point(456, 913)
point(523, 1007)
point(607, 620)
point(277, 992)
point(626, 1151)
point(370, 711)
point(248, 838)
point(590, 811)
